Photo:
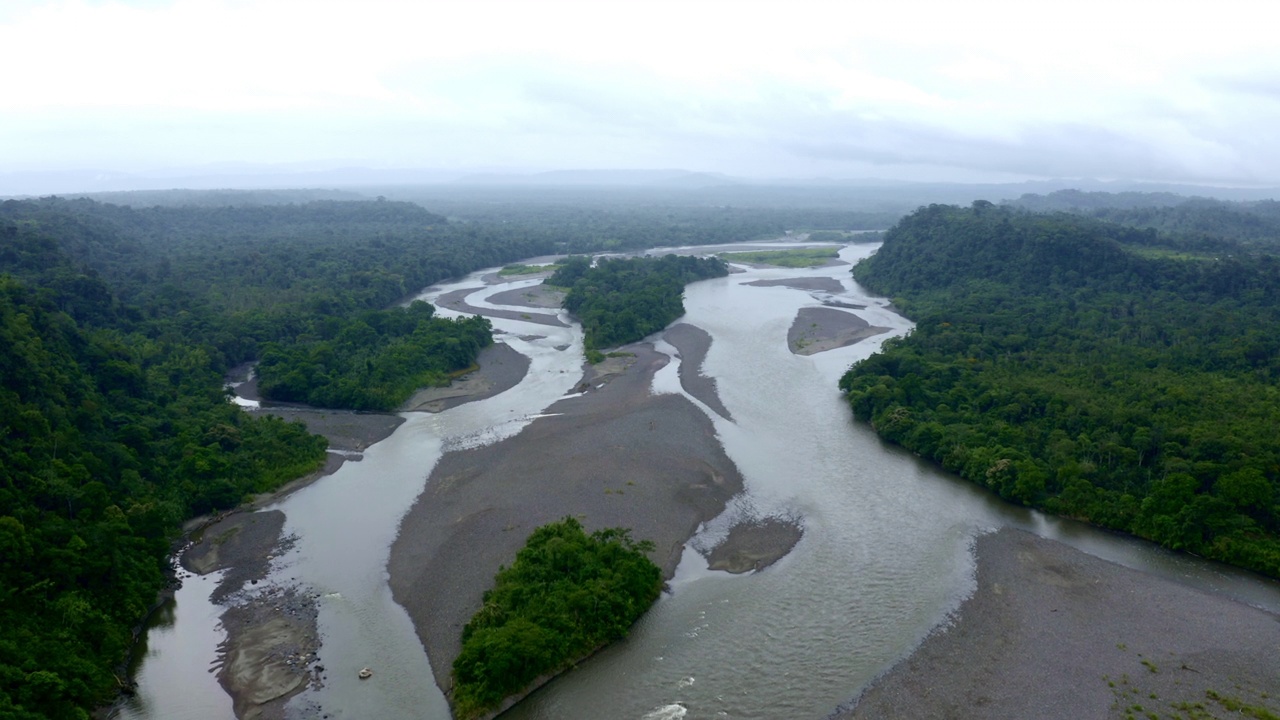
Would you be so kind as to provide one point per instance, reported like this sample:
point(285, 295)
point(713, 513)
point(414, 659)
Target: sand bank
point(270, 653)
point(500, 369)
point(818, 284)
point(817, 329)
point(614, 456)
point(1053, 633)
point(755, 545)
point(692, 343)
point(457, 300)
point(538, 296)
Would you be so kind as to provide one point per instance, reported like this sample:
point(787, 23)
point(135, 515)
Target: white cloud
point(742, 87)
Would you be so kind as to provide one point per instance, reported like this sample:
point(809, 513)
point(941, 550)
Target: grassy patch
point(798, 258)
point(522, 269)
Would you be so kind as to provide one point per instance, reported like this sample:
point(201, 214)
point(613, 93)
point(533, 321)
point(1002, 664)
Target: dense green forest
point(566, 594)
point(1189, 223)
point(620, 301)
point(109, 438)
point(373, 361)
point(117, 326)
point(1061, 363)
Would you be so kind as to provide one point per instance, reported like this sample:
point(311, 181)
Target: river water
point(886, 552)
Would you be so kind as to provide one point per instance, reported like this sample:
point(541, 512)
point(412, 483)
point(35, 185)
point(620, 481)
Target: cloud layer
point(916, 90)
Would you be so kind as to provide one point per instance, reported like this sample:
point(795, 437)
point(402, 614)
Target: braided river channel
point(886, 553)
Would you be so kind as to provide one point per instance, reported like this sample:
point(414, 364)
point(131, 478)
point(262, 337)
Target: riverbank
point(271, 650)
point(500, 369)
point(616, 456)
point(1051, 632)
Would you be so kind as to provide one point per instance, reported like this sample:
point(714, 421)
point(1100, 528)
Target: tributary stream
point(886, 552)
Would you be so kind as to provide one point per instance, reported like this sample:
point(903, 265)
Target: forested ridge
point(1061, 363)
point(620, 301)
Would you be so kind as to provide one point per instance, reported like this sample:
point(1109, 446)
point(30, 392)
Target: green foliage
point(373, 361)
point(566, 594)
point(107, 441)
point(622, 301)
point(522, 269)
point(1062, 371)
point(797, 258)
point(1195, 224)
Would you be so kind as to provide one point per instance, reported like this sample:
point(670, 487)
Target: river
point(886, 552)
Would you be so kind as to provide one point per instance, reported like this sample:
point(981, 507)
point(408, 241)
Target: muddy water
point(885, 555)
point(174, 667)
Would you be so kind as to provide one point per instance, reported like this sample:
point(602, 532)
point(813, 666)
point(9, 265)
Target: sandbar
point(1054, 633)
point(457, 300)
point(500, 368)
point(818, 329)
point(692, 342)
point(819, 284)
point(616, 456)
point(755, 545)
point(538, 296)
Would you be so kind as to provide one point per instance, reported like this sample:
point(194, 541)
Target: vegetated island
point(795, 258)
point(1059, 362)
point(566, 595)
point(623, 300)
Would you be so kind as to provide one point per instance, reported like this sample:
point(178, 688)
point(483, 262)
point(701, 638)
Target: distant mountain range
point(245, 176)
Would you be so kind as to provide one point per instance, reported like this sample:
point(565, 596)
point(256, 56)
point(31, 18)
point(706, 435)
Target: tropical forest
point(1120, 373)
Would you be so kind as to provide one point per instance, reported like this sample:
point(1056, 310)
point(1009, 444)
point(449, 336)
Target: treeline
point(566, 595)
point(1192, 223)
point(620, 301)
point(1058, 363)
point(109, 438)
point(373, 361)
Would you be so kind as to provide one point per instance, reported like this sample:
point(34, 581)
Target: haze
point(971, 92)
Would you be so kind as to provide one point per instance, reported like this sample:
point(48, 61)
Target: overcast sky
point(948, 91)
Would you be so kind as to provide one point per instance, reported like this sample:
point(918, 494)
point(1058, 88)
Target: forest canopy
point(620, 301)
point(567, 594)
point(1058, 363)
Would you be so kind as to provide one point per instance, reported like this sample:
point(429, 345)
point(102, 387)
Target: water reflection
point(173, 662)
